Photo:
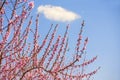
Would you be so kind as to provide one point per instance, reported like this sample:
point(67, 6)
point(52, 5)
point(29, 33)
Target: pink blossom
point(22, 0)
point(10, 21)
point(25, 0)
point(2, 11)
point(31, 4)
point(24, 14)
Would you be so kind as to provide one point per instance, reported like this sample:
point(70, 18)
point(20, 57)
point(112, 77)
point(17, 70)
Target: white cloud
point(57, 13)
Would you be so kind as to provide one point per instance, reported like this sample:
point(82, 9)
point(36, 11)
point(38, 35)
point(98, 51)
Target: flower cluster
point(22, 57)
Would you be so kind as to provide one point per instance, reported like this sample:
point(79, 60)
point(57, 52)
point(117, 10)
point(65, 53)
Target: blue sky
point(102, 19)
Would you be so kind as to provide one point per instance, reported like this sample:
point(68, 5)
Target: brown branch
point(68, 65)
point(2, 5)
point(33, 69)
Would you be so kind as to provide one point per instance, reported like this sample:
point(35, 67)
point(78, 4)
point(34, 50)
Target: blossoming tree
point(21, 59)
